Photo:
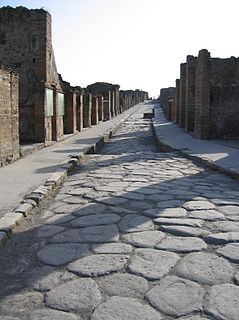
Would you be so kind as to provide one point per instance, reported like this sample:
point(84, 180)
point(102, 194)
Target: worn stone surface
point(223, 237)
point(205, 268)
point(95, 220)
point(48, 314)
point(230, 251)
point(223, 301)
point(176, 296)
point(112, 248)
point(198, 205)
point(210, 215)
point(117, 308)
point(97, 265)
point(184, 231)
point(152, 264)
point(229, 210)
point(77, 295)
point(182, 244)
point(123, 285)
point(178, 221)
point(147, 239)
point(134, 223)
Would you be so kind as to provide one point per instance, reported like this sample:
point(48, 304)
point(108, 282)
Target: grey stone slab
point(209, 215)
point(78, 191)
point(185, 231)
point(20, 301)
point(112, 248)
point(223, 302)
point(229, 210)
point(48, 314)
point(166, 213)
point(49, 231)
point(89, 208)
point(60, 219)
point(198, 205)
point(194, 317)
point(139, 205)
point(98, 264)
point(46, 278)
point(74, 296)
point(178, 221)
point(95, 234)
point(8, 318)
point(10, 220)
point(66, 208)
point(133, 196)
point(118, 308)
point(224, 226)
point(60, 254)
point(222, 237)
point(147, 239)
point(205, 268)
point(135, 222)
point(152, 264)
point(236, 278)
point(182, 244)
point(96, 220)
point(112, 201)
point(169, 204)
point(123, 285)
point(230, 251)
point(176, 296)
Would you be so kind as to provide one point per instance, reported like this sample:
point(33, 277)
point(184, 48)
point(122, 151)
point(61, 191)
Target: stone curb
point(12, 219)
point(202, 160)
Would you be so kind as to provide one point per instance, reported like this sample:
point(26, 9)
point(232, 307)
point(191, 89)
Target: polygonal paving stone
point(147, 239)
point(198, 205)
point(95, 220)
point(89, 208)
point(181, 222)
point(139, 205)
point(20, 301)
point(209, 215)
point(98, 264)
point(66, 208)
point(112, 201)
point(167, 213)
point(49, 231)
point(223, 302)
point(118, 308)
point(152, 264)
point(95, 234)
point(229, 210)
point(77, 295)
point(223, 237)
point(46, 278)
point(236, 278)
point(60, 219)
point(59, 254)
point(230, 251)
point(224, 226)
point(184, 231)
point(169, 204)
point(124, 285)
point(48, 314)
point(135, 222)
point(78, 191)
point(225, 201)
point(182, 244)
point(206, 268)
point(176, 297)
point(133, 196)
point(112, 248)
point(8, 318)
point(196, 317)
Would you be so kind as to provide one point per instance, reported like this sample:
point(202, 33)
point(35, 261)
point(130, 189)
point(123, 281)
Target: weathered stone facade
point(207, 97)
point(9, 116)
point(167, 96)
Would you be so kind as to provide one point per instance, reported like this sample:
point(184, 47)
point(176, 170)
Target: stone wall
point(9, 116)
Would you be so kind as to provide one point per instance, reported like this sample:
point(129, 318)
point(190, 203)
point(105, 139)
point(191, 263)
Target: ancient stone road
point(134, 234)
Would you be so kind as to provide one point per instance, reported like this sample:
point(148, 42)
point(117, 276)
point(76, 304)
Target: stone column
point(190, 93)
point(87, 110)
point(70, 112)
point(94, 112)
point(182, 100)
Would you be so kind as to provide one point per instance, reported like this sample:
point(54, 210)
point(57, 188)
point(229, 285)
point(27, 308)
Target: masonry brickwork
point(208, 95)
point(9, 116)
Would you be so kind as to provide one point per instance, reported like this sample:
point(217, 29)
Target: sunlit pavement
point(133, 234)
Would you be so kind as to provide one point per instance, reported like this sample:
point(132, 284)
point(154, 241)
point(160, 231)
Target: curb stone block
point(3, 238)
point(25, 208)
point(9, 221)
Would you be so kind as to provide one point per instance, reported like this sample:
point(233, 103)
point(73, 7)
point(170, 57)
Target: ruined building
point(206, 101)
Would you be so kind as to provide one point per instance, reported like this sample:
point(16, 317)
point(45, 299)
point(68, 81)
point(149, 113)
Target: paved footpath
point(133, 234)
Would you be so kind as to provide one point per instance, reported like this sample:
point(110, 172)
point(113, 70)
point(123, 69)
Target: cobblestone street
point(133, 234)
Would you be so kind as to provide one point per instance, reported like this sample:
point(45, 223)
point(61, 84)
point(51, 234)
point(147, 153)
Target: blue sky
point(136, 43)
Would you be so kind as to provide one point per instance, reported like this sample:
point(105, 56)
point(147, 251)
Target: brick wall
point(9, 116)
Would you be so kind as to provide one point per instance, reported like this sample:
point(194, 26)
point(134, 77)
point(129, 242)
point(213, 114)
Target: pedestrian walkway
point(23, 176)
point(222, 155)
point(133, 234)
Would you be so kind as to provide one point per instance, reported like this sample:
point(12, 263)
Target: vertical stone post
point(100, 108)
point(190, 93)
point(107, 106)
point(177, 101)
point(70, 112)
point(94, 112)
point(182, 100)
point(87, 110)
point(202, 95)
point(79, 116)
point(58, 126)
point(112, 103)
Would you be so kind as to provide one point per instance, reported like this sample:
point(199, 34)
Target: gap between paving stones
point(12, 219)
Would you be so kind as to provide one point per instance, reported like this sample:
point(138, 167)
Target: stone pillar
point(58, 113)
point(70, 112)
point(87, 110)
point(112, 103)
point(202, 95)
point(182, 100)
point(79, 113)
point(177, 101)
point(100, 108)
point(106, 106)
point(190, 93)
point(117, 102)
point(94, 112)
